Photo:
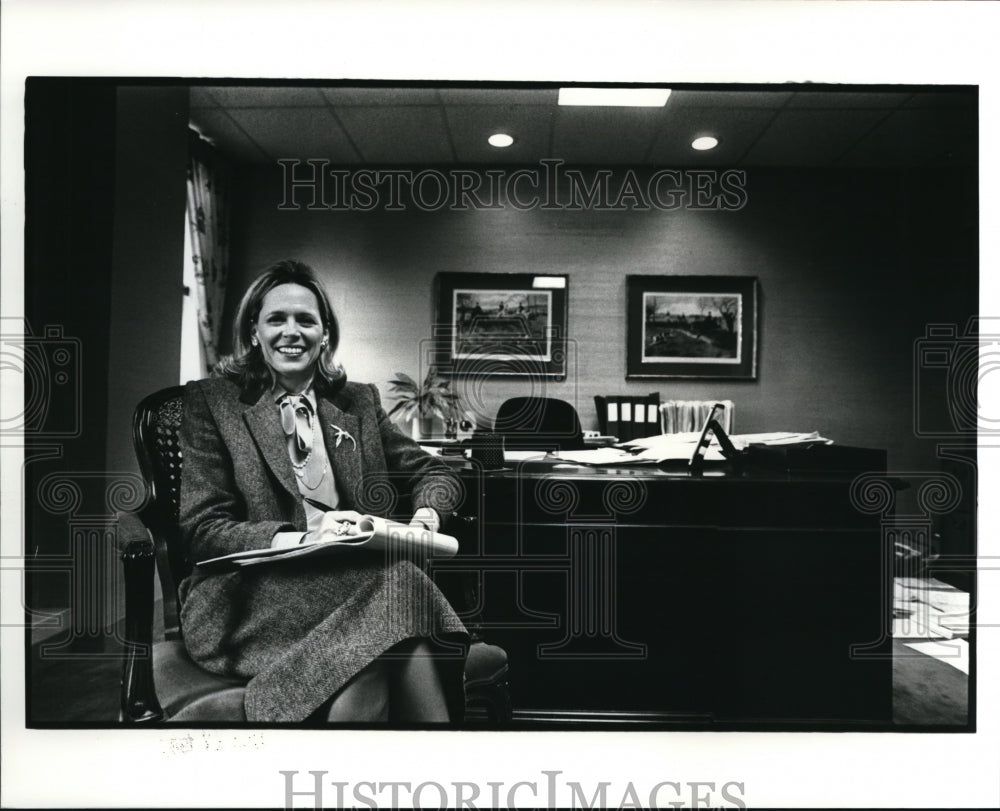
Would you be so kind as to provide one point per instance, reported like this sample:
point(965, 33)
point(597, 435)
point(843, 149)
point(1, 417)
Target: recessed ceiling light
point(705, 142)
point(500, 140)
point(613, 96)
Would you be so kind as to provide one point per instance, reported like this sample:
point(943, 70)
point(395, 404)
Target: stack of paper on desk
point(686, 438)
point(780, 438)
point(678, 452)
point(680, 447)
point(741, 441)
point(524, 456)
point(377, 534)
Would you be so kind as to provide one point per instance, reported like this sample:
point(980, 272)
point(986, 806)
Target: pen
point(319, 505)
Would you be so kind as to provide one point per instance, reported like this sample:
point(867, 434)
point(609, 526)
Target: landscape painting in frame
point(501, 323)
point(692, 326)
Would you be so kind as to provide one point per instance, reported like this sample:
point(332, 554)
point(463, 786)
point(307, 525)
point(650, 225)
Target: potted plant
point(422, 402)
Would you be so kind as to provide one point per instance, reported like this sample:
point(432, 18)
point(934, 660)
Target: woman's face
point(291, 334)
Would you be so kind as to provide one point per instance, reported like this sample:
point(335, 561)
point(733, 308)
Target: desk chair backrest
point(529, 423)
point(155, 428)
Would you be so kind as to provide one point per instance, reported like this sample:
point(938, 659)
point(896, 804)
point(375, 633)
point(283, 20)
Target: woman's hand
point(427, 518)
point(335, 524)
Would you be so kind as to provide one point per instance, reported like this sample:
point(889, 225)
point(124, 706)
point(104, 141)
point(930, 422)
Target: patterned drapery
point(208, 201)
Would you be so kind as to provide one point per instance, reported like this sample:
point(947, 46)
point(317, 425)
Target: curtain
point(209, 183)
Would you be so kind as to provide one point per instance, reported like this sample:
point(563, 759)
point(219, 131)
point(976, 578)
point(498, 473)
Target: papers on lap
point(376, 534)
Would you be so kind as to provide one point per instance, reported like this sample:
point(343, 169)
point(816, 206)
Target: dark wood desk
point(642, 596)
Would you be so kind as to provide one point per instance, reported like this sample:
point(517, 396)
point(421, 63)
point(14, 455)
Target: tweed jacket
point(300, 632)
point(238, 487)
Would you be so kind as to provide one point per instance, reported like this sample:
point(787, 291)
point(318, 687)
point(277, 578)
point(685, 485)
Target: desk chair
point(530, 423)
point(160, 682)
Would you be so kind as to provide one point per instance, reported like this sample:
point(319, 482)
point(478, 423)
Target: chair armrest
point(139, 703)
point(465, 527)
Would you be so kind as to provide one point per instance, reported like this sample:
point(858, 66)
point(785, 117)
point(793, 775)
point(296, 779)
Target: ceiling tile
point(736, 130)
point(847, 99)
point(590, 135)
point(266, 96)
point(414, 135)
point(217, 126)
point(919, 137)
point(810, 137)
point(959, 97)
point(295, 132)
point(201, 97)
point(502, 96)
point(732, 99)
point(471, 125)
point(377, 96)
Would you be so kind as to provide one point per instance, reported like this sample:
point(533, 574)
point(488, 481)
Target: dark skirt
point(300, 631)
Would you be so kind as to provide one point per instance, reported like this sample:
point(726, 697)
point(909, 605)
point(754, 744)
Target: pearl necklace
point(300, 467)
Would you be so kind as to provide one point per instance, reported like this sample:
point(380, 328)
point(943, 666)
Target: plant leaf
point(403, 411)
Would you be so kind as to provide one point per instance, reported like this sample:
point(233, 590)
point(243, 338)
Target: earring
point(253, 341)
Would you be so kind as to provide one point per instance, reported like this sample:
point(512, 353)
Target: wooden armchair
point(160, 682)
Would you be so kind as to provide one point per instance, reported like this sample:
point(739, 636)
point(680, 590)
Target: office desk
point(642, 596)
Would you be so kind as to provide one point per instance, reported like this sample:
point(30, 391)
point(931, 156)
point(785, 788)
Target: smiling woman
point(358, 638)
point(283, 309)
point(291, 334)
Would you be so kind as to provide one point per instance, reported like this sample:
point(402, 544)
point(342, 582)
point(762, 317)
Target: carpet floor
point(85, 689)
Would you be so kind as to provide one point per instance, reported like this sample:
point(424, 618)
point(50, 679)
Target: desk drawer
point(667, 502)
point(748, 625)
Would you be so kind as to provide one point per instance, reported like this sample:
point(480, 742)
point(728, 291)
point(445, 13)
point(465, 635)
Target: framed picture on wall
point(506, 324)
point(691, 326)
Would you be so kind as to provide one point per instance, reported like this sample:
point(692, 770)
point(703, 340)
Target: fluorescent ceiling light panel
point(613, 96)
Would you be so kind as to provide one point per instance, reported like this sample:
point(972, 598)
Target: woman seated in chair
point(350, 638)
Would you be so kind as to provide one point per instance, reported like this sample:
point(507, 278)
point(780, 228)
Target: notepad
point(373, 533)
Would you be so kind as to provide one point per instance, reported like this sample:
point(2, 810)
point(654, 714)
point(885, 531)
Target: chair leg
point(139, 704)
point(495, 699)
point(502, 705)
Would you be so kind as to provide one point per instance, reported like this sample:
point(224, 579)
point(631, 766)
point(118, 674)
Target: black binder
point(601, 406)
point(628, 417)
point(650, 424)
point(609, 416)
